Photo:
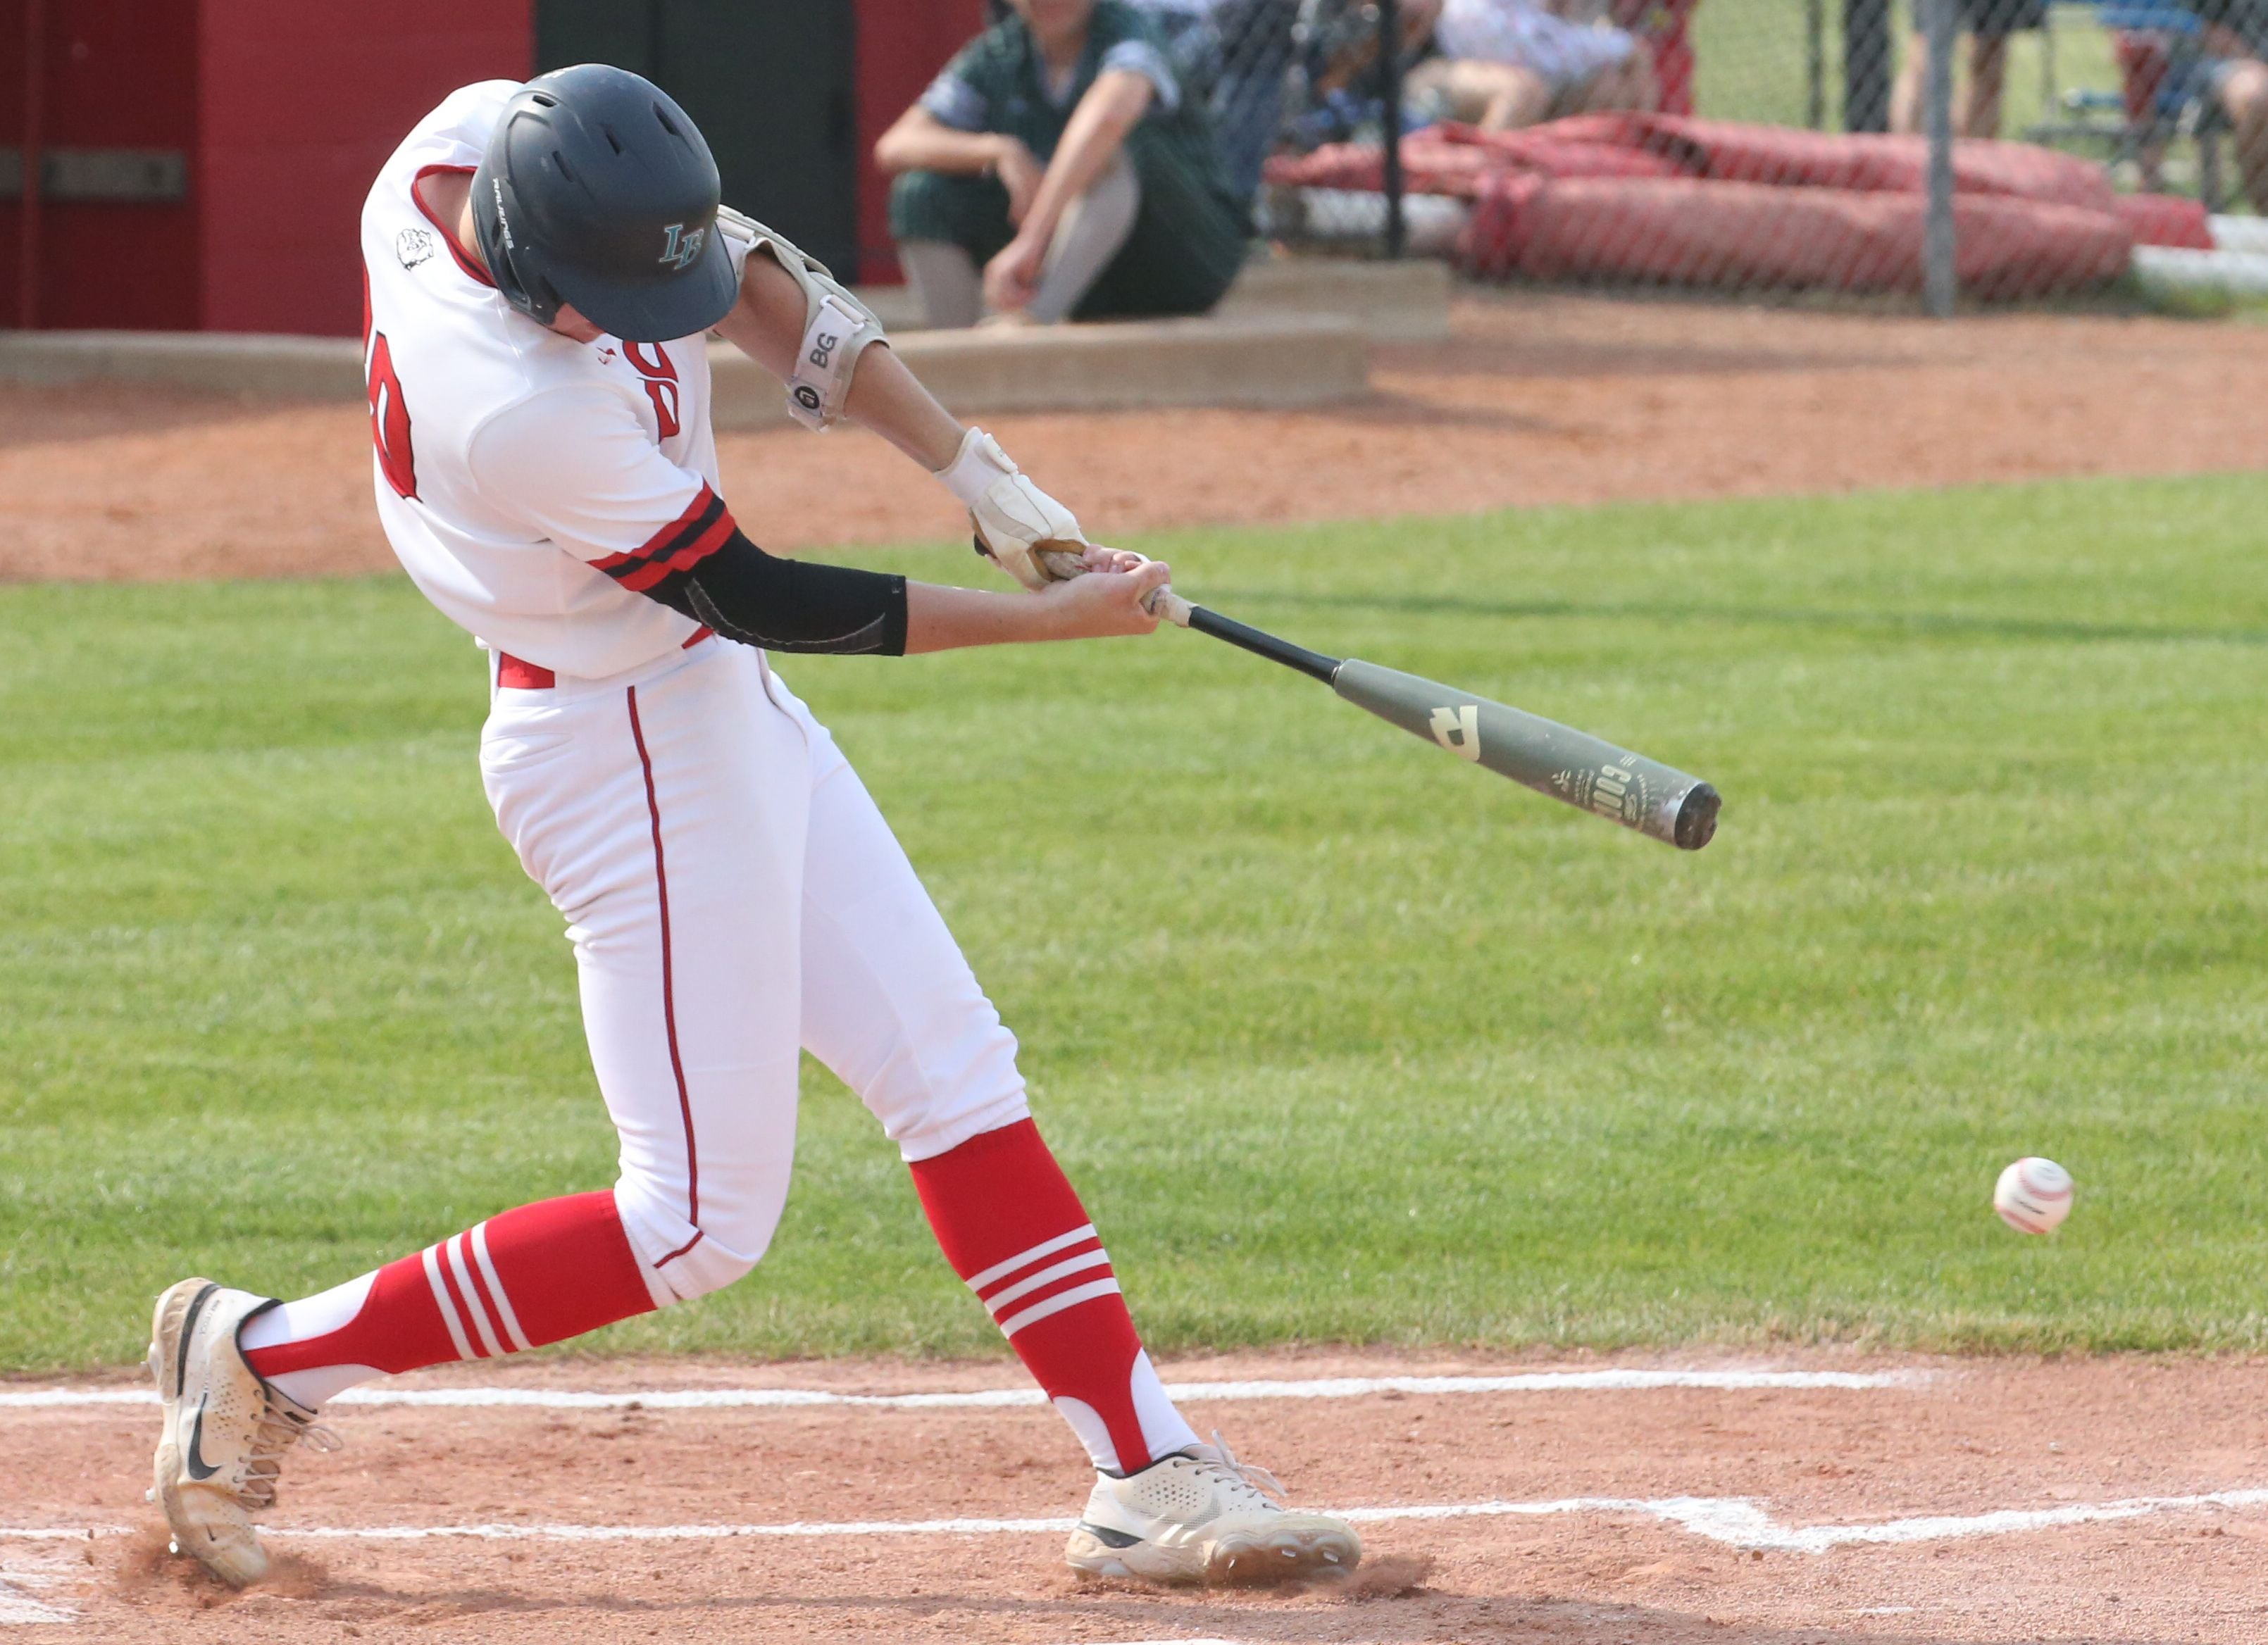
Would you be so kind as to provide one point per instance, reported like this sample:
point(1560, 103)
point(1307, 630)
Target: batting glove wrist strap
point(1013, 518)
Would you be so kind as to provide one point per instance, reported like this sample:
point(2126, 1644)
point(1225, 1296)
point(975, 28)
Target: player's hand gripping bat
point(1568, 764)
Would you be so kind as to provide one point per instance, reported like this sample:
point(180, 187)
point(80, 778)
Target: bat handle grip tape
point(1169, 606)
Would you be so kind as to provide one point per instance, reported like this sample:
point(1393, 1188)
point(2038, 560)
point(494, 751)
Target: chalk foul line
point(1737, 1520)
point(1320, 1388)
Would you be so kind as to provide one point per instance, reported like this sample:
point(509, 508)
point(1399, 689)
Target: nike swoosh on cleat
point(188, 1329)
point(1107, 1537)
point(193, 1459)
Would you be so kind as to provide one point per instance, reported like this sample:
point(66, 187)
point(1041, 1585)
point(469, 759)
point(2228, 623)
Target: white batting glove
point(1013, 519)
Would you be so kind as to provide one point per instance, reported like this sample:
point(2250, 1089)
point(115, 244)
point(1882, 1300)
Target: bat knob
point(1167, 607)
point(1696, 816)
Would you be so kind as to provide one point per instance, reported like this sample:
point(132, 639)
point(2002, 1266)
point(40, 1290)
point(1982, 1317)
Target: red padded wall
point(901, 44)
point(302, 99)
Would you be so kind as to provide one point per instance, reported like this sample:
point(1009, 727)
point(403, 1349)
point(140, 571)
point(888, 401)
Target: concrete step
point(1392, 302)
point(1244, 360)
point(1251, 360)
point(230, 363)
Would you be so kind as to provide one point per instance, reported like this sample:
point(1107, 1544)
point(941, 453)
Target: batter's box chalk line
point(1739, 1522)
point(1322, 1388)
point(23, 1576)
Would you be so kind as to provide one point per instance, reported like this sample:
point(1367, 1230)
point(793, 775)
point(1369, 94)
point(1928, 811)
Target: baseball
point(2033, 1196)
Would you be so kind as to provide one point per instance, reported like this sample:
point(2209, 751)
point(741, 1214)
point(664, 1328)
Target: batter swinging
point(541, 263)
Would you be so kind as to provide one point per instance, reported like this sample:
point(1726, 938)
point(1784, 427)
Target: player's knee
point(737, 1211)
point(944, 1080)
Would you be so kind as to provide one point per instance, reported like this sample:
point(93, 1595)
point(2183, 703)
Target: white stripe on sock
point(472, 1295)
point(1057, 1304)
point(1046, 1247)
point(496, 1289)
point(441, 1301)
point(1097, 1258)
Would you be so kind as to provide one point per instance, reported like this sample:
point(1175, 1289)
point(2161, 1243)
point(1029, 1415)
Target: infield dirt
point(1537, 398)
point(1959, 1439)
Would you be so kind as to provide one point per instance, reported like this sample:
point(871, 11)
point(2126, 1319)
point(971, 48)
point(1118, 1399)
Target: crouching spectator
point(1990, 25)
point(1505, 64)
point(1057, 169)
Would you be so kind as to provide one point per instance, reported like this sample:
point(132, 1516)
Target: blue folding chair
point(2181, 104)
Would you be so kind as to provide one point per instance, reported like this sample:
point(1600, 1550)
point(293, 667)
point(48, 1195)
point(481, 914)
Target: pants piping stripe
point(1097, 1258)
point(1045, 1248)
point(496, 1289)
point(1057, 1304)
point(448, 1308)
point(669, 990)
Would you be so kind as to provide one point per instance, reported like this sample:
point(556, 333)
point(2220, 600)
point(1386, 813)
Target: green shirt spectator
point(1061, 151)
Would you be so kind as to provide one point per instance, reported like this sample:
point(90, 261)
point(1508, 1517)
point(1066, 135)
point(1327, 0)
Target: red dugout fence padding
point(1711, 202)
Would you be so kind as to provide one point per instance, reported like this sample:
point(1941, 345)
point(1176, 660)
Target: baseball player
point(541, 263)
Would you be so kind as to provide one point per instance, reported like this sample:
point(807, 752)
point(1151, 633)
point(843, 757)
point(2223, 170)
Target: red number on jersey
point(389, 419)
point(660, 383)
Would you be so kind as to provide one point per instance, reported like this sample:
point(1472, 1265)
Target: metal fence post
point(1389, 63)
point(1938, 280)
point(1866, 65)
point(1815, 64)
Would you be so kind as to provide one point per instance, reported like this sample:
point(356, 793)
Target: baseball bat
point(1556, 760)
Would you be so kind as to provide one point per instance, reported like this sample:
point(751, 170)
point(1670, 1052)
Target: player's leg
point(1189, 239)
point(1978, 114)
point(2242, 86)
point(1092, 230)
point(891, 1005)
point(946, 228)
point(665, 820)
point(1906, 94)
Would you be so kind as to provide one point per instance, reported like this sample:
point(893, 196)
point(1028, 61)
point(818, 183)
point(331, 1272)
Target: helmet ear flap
point(491, 194)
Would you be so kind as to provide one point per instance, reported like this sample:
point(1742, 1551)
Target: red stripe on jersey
point(448, 235)
point(685, 559)
point(692, 537)
point(666, 535)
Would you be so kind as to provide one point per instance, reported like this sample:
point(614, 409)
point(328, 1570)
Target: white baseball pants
point(733, 895)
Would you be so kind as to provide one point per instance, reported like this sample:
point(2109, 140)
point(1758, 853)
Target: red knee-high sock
point(529, 1276)
point(1013, 1228)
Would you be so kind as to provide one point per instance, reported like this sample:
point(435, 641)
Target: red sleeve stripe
point(682, 544)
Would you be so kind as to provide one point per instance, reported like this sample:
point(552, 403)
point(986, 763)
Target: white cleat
point(226, 1430)
point(1201, 1516)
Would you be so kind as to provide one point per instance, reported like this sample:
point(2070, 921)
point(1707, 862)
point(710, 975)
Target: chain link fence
point(1758, 145)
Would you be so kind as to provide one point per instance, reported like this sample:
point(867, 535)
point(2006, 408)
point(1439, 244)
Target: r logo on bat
point(1458, 730)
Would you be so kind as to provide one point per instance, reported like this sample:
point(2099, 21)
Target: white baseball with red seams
point(2033, 1196)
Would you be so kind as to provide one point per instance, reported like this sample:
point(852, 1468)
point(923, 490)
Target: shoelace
point(1249, 1476)
point(279, 1428)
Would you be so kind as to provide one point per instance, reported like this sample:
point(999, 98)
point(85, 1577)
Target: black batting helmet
point(598, 191)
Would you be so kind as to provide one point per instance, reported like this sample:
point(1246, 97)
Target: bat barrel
point(1557, 761)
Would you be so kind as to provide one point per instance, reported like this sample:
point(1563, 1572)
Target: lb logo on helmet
point(679, 248)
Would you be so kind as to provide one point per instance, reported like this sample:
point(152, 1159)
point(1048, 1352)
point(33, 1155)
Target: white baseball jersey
point(529, 483)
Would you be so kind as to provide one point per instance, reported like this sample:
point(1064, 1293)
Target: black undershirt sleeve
point(782, 605)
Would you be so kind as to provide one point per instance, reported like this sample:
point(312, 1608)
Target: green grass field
point(1345, 1040)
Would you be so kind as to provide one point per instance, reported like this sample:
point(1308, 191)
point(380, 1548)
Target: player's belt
point(513, 674)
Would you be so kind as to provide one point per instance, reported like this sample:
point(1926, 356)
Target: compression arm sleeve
point(780, 605)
